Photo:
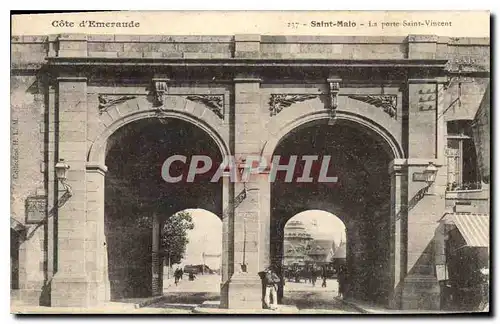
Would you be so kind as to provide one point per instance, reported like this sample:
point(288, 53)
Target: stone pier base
point(244, 291)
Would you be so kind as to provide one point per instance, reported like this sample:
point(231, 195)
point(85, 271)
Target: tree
point(174, 236)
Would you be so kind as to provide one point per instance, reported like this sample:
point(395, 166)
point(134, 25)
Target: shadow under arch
point(390, 143)
point(99, 148)
point(137, 198)
point(362, 152)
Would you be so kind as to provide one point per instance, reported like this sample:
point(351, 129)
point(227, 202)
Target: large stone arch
point(194, 113)
point(278, 132)
point(116, 117)
point(390, 142)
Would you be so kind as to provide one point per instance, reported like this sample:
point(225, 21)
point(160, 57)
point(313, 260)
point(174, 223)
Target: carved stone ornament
point(387, 102)
point(159, 89)
point(334, 88)
point(280, 101)
point(107, 101)
point(465, 64)
point(213, 102)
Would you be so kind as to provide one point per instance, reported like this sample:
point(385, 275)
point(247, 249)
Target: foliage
point(174, 236)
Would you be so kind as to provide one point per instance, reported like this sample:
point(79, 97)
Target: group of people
point(179, 273)
point(271, 282)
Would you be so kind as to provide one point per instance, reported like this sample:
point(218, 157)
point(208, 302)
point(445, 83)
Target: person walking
point(342, 278)
point(323, 276)
point(271, 282)
point(177, 276)
point(314, 276)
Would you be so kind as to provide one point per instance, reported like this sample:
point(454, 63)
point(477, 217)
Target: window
point(463, 173)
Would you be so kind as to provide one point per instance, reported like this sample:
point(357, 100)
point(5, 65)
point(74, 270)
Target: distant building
point(321, 251)
point(296, 243)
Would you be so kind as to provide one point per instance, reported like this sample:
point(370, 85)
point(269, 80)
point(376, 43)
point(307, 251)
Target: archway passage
point(360, 198)
point(138, 199)
point(199, 264)
point(314, 251)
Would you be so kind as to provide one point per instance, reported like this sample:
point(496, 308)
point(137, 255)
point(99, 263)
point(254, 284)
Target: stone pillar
point(398, 230)
point(70, 285)
point(245, 287)
point(227, 238)
point(157, 280)
point(95, 242)
point(252, 213)
point(426, 202)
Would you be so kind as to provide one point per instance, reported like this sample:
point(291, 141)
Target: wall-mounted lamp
point(61, 170)
point(61, 173)
point(430, 173)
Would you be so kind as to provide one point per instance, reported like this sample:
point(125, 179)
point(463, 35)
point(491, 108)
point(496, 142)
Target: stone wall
point(33, 49)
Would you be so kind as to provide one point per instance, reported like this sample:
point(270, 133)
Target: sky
point(207, 233)
point(205, 237)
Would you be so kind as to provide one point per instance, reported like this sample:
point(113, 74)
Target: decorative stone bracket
point(213, 102)
point(280, 101)
point(107, 101)
point(333, 88)
point(388, 103)
point(158, 90)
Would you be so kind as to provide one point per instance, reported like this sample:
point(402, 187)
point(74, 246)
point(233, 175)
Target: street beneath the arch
point(308, 299)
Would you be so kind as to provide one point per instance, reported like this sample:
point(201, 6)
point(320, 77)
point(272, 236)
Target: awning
point(475, 228)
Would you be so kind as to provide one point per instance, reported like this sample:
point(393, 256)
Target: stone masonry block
point(248, 108)
point(422, 38)
point(321, 48)
point(248, 98)
point(69, 136)
point(247, 38)
point(280, 48)
point(101, 38)
point(72, 45)
point(67, 116)
point(72, 234)
point(422, 50)
point(135, 47)
point(196, 55)
point(113, 47)
point(72, 53)
point(73, 104)
point(17, 49)
point(131, 54)
point(171, 54)
point(103, 54)
point(204, 47)
point(163, 47)
point(247, 47)
point(246, 87)
point(75, 87)
point(247, 55)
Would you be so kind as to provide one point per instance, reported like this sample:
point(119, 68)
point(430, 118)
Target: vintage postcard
point(332, 162)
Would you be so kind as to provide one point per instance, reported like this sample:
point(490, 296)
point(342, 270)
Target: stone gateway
point(393, 113)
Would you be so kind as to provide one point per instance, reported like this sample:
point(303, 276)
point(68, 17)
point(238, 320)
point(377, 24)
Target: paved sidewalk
point(367, 308)
point(124, 306)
